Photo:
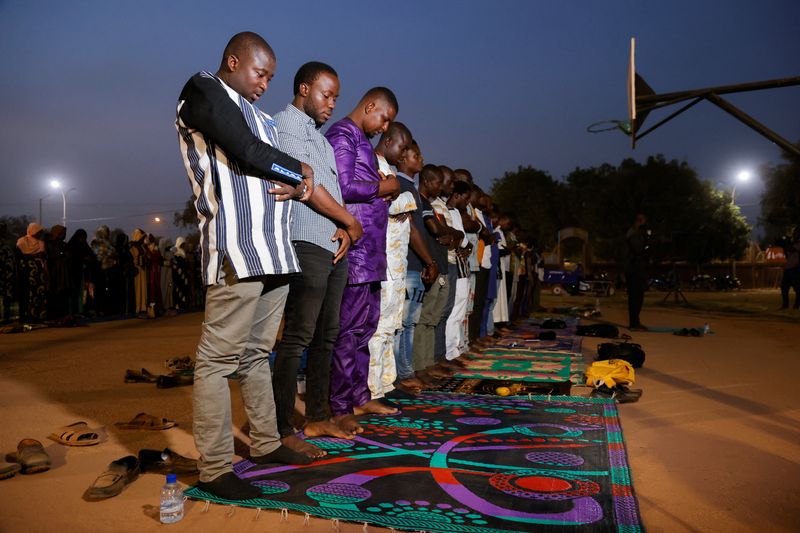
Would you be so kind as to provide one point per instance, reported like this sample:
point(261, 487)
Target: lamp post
point(55, 184)
point(742, 177)
point(40, 206)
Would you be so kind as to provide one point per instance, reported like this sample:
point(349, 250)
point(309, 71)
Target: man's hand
point(354, 229)
point(301, 192)
point(344, 244)
point(389, 187)
point(445, 240)
point(429, 273)
point(402, 217)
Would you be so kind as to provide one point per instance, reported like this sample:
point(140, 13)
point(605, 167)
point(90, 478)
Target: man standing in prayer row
point(364, 193)
point(238, 178)
point(312, 307)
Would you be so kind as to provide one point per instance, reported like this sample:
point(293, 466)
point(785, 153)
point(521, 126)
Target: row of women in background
point(50, 278)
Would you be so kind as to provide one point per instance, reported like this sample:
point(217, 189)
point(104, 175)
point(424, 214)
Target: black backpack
point(607, 331)
point(627, 351)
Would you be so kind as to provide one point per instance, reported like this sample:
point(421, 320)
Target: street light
point(55, 184)
point(743, 176)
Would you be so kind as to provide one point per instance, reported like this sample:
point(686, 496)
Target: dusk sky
point(89, 87)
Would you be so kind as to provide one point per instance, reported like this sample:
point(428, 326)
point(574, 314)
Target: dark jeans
point(481, 293)
point(790, 280)
point(636, 285)
point(311, 320)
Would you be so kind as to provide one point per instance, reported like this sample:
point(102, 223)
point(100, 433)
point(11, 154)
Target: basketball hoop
point(609, 125)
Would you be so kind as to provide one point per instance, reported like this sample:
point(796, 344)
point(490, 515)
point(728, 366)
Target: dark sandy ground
point(714, 442)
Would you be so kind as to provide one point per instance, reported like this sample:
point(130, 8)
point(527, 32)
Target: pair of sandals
point(80, 434)
point(689, 332)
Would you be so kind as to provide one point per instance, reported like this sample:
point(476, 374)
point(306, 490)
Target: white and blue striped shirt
point(229, 157)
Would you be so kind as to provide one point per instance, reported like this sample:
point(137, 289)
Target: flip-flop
point(31, 457)
point(77, 434)
point(120, 473)
point(145, 421)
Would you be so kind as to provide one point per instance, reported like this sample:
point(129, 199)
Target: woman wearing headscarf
point(138, 252)
point(107, 259)
point(154, 300)
point(32, 268)
point(165, 249)
point(58, 275)
point(81, 266)
point(181, 276)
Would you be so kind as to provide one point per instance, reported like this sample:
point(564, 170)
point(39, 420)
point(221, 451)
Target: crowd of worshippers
point(382, 269)
point(50, 278)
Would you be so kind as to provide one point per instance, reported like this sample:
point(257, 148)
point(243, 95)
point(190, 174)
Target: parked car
point(705, 282)
point(574, 282)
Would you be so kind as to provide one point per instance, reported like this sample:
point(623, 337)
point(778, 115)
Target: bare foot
point(375, 407)
point(325, 428)
point(458, 362)
point(425, 378)
point(439, 372)
point(448, 364)
point(348, 424)
point(410, 385)
point(295, 443)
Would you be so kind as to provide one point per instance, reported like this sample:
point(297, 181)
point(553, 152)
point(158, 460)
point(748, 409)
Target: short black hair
point(246, 42)
point(385, 94)
point(310, 72)
point(429, 172)
point(396, 128)
point(461, 187)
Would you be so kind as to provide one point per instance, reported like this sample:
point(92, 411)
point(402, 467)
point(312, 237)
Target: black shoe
point(282, 455)
point(166, 462)
point(229, 487)
point(166, 382)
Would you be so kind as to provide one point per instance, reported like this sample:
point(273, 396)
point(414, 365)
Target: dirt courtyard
point(714, 442)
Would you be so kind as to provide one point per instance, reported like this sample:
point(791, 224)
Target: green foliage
point(536, 201)
point(689, 219)
point(188, 217)
point(780, 202)
point(12, 228)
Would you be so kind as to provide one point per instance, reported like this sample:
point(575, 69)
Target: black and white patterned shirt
point(299, 137)
point(230, 150)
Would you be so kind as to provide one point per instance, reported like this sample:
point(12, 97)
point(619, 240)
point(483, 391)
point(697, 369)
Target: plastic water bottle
point(171, 501)
point(706, 328)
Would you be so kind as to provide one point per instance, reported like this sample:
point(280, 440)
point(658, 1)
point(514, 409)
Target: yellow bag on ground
point(610, 373)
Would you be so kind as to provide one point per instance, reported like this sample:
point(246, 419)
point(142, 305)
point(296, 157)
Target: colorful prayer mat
point(556, 368)
point(492, 386)
point(576, 364)
point(457, 463)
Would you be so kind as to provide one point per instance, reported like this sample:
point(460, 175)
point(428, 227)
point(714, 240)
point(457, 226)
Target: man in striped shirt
point(239, 178)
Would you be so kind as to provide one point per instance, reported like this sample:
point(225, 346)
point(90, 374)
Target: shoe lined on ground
point(145, 421)
point(166, 462)
point(77, 434)
point(9, 470)
point(174, 380)
point(31, 457)
point(120, 474)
